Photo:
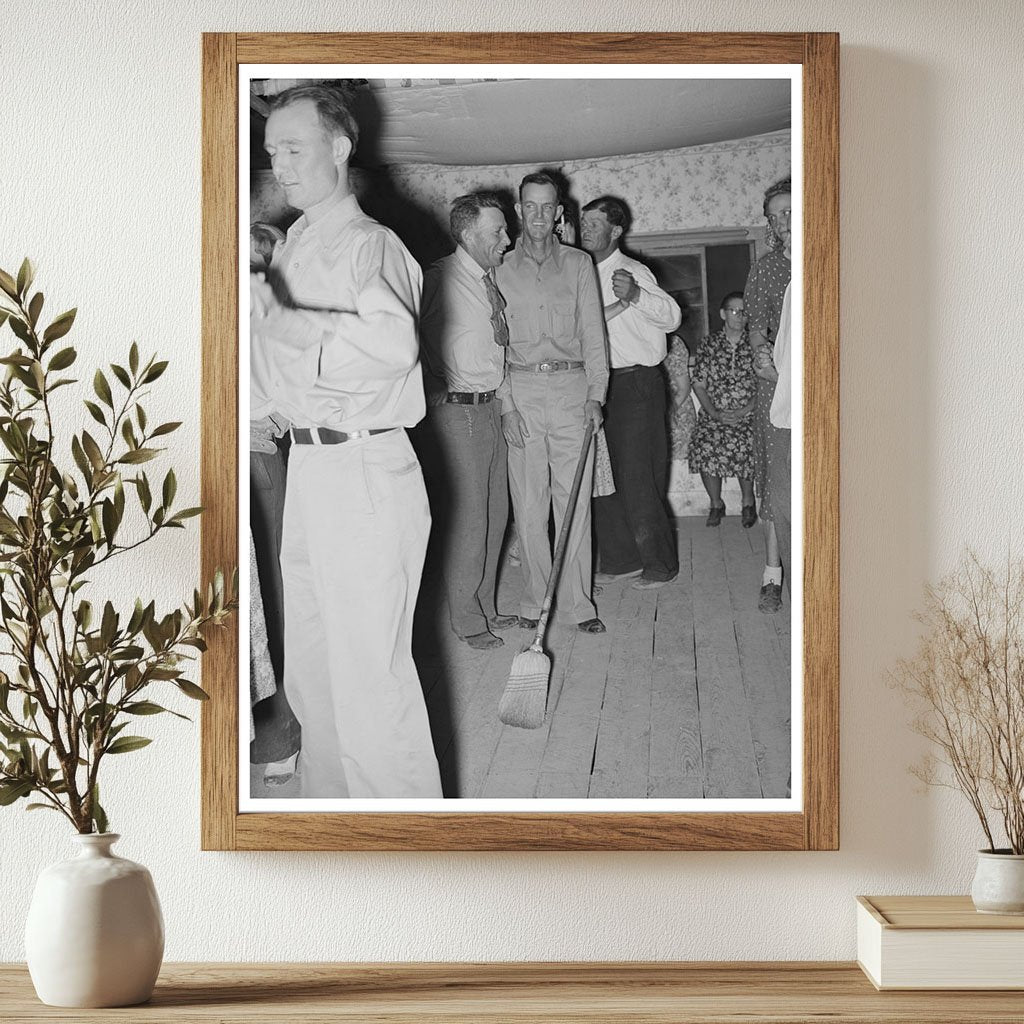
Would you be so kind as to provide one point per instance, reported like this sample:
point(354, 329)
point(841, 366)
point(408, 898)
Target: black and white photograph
point(524, 416)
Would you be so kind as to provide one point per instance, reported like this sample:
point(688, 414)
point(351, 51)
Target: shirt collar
point(615, 256)
point(334, 218)
point(556, 256)
point(469, 264)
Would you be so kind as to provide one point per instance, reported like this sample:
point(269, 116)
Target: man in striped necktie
point(464, 336)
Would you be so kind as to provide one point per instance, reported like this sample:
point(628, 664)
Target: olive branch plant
point(73, 676)
point(967, 682)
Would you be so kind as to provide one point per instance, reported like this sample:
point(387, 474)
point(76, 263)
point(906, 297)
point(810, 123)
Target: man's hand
point(592, 413)
point(261, 297)
point(261, 435)
point(513, 426)
point(624, 285)
point(763, 365)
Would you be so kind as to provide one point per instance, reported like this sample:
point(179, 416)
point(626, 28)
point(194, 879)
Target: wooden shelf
point(658, 993)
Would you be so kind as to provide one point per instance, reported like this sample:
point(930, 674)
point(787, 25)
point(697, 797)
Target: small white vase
point(95, 933)
point(999, 883)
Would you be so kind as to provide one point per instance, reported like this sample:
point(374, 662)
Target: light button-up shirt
point(636, 336)
point(455, 326)
point(344, 353)
point(554, 313)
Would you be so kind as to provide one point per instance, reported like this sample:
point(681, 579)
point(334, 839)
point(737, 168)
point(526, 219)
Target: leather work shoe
point(525, 623)
point(771, 598)
point(484, 641)
point(591, 626)
point(715, 514)
point(748, 516)
point(503, 621)
point(611, 577)
point(642, 584)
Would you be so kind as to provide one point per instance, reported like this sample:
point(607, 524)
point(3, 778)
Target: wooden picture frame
point(816, 826)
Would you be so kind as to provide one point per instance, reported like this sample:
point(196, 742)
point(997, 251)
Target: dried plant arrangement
point(967, 680)
point(74, 672)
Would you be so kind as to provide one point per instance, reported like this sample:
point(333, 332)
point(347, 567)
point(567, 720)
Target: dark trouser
point(471, 495)
point(634, 530)
point(277, 731)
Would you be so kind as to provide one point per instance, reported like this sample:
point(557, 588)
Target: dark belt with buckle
point(551, 366)
point(324, 435)
point(470, 397)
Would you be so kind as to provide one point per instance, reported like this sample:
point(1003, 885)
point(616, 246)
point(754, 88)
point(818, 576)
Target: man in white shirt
point(465, 336)
point(634, 532)
point(342, 367)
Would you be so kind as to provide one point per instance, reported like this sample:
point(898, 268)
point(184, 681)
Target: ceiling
point(539, 121)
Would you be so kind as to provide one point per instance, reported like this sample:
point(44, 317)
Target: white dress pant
point(356, 522)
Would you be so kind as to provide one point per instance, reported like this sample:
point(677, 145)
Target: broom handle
point(563, 535)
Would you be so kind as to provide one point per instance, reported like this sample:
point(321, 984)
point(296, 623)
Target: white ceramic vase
point(95, 933)
point(999, 883)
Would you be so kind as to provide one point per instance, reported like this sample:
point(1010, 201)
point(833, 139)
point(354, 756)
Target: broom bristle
point(525, 697)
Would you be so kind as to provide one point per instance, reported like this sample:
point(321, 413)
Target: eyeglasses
point(781, 215)
point(735, 312)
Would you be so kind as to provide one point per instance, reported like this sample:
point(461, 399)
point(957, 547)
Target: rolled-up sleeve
point(656, 306)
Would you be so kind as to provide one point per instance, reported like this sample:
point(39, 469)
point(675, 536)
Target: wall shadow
point(887, 323)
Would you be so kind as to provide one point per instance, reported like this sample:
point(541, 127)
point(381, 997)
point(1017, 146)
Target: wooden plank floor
point(687, 695)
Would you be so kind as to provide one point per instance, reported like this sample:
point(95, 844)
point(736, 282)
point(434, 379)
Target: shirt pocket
point(518, 325)
point(563, 316)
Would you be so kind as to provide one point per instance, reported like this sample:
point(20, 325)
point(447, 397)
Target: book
point(938, 942)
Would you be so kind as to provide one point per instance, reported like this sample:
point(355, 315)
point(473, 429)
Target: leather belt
point(470, 397)
point(552, 366)
point(324, 435)
point(636, 366)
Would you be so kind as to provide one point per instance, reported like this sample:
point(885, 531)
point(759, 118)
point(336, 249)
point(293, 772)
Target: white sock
point(772, 574)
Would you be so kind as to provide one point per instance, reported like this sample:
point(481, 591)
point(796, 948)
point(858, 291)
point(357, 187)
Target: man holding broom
point(556, 383)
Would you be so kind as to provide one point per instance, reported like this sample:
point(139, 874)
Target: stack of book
point(938, 942)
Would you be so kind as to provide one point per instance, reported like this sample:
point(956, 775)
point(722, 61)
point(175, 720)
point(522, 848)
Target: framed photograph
point(421, 362)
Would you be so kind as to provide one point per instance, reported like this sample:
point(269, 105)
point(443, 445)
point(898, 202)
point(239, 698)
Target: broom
point(525, 697)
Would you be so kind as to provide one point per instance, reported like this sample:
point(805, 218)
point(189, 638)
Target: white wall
point(100, 183)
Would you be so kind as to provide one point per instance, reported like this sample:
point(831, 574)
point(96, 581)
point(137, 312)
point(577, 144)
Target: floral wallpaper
point(713, 186)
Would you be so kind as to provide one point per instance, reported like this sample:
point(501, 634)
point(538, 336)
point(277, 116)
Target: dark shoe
point(748, 516)
point(611, 577)
point(503, 621)
point(484, 641)
point(646, 584)
point(591, 626)
point(525, 623)
point(771, 598)
point(715, 515)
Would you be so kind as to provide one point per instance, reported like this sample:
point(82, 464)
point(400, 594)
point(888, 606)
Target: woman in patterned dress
point(766, 288)
point(725, 384)
point(681, 417)
point(261, 670)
